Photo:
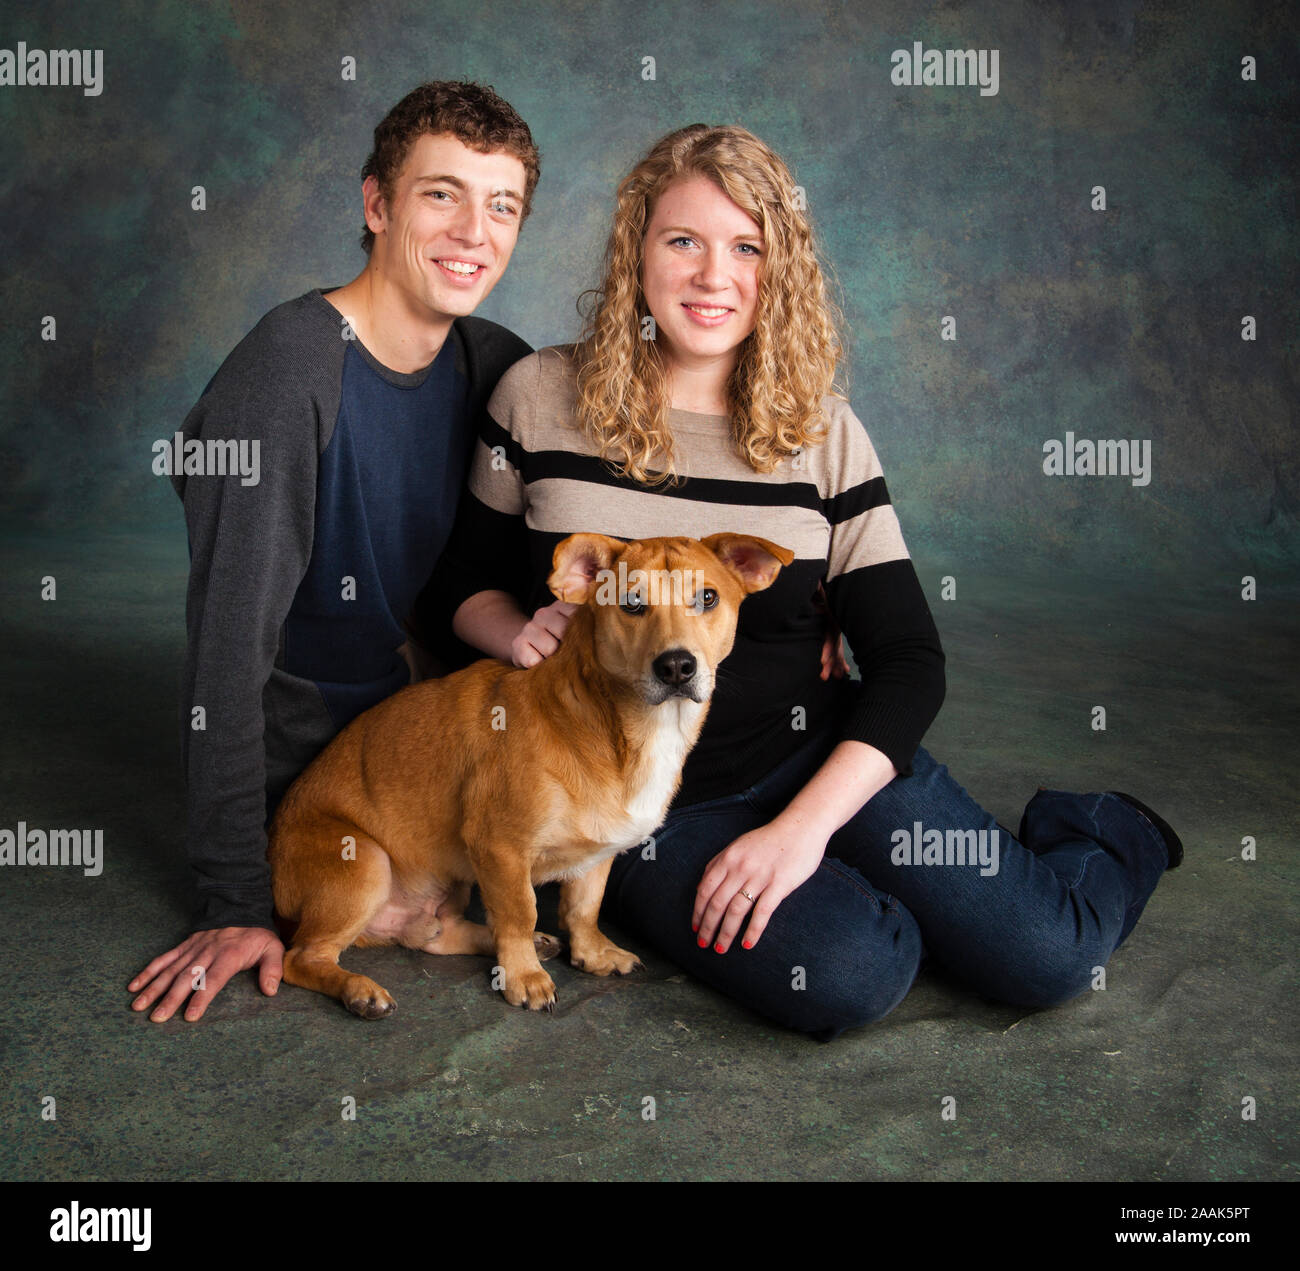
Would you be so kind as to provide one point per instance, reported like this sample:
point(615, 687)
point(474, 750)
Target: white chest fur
point(676, 725)
point(675, 730)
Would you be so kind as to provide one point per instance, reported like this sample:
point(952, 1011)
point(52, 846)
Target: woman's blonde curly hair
point(784, 367)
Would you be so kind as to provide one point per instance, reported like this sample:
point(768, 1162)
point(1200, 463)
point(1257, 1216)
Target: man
point(360, 404)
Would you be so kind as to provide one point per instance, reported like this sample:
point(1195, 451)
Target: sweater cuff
point(233, 907)
point(888, 725)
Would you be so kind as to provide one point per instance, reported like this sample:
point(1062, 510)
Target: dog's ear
point(754, 560)
point(576, 562)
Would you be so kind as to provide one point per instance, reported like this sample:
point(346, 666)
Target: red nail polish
point(746, 944)
point(717, 948)
point(703, 943)
point(695, 926)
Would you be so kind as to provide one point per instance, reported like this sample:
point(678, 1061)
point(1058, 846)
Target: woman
point(799, 869)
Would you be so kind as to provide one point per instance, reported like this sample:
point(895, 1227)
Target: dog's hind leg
point(346, 895)
point(453, 933)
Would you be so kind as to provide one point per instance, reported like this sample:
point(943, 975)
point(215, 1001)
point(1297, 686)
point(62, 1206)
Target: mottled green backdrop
point(930, 202)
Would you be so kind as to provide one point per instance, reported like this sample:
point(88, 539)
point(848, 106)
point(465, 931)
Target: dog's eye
point(706, 599)
point(633, 605)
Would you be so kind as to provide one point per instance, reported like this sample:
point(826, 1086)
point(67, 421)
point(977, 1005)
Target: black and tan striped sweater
point(536, 479)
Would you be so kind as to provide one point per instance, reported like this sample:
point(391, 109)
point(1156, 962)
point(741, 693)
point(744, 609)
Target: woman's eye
point(751, 249)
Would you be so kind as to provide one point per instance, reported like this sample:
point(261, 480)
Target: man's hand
point(541, 637)
point(221, 953)
point(768, 863)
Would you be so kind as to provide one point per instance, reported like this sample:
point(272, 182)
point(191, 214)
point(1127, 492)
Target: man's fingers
point(272, 968)
point(215, 979)
point(161, 983)
point(180, 989)
point(160, 963)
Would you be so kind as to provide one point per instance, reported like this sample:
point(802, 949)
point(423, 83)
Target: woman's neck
point(701, 390)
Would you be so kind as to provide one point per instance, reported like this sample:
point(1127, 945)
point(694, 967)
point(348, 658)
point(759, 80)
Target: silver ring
point(747, 896)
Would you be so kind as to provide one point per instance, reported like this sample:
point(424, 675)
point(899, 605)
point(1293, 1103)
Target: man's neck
point(384, 320)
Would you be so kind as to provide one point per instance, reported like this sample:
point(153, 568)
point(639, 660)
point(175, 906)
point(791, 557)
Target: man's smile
point(460, 270)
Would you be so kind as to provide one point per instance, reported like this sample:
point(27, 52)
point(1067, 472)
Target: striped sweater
point(535, 478)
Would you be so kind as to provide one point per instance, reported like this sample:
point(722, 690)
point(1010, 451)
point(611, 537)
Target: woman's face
point(700, 275)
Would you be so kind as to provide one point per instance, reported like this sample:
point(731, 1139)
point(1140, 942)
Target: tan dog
point(510, 777)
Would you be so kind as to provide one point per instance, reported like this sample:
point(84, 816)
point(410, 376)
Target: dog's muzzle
point(676, 674)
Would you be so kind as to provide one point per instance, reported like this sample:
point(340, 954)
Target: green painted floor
point(1142, 1081)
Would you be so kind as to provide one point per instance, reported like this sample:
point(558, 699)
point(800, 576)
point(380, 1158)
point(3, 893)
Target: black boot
point(1172, 842)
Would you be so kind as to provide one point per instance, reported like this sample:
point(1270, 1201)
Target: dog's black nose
point(674, 667)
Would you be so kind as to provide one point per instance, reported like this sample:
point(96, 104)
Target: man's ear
point(755, 561)
point(576, 562)
point(373, 204)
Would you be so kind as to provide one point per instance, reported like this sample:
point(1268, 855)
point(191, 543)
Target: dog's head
point(664, 609)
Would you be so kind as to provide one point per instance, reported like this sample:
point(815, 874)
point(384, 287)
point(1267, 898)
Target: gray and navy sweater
point(301, 585)
point(536, 479)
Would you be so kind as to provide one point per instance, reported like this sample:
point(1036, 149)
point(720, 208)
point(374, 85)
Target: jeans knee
point(1056, 978)
point(848, 988)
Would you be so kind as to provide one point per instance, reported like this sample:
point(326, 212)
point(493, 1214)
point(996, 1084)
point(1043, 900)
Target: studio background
point(1068, 592)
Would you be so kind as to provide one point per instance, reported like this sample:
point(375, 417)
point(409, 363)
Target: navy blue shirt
point(387, 487)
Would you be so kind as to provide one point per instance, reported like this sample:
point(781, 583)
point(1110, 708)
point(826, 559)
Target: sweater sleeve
point(876, 598)
point(488, 548)
point(250, 545)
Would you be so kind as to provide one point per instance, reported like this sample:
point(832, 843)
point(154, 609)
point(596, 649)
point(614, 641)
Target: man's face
point(447, 233)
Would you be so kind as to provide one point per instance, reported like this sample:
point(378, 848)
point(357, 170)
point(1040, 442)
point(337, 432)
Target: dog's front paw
point(533, 989)
point(603, 958)
point(362, 996)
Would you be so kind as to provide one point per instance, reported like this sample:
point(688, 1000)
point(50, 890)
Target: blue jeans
point(1028, 925)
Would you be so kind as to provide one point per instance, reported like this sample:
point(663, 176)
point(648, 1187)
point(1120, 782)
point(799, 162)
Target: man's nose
point(469, 224)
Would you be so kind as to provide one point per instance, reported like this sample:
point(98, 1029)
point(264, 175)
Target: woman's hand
point(768, 863)
point(541, 636)
point(834, 662)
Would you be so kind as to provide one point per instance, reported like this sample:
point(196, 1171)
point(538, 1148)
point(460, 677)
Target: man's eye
point(505, 208)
